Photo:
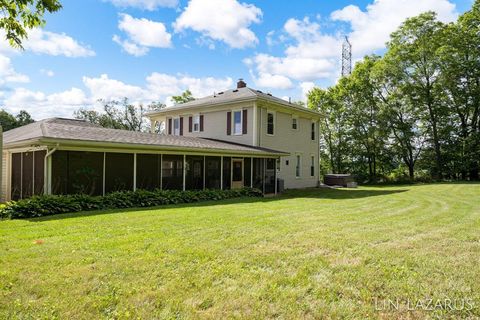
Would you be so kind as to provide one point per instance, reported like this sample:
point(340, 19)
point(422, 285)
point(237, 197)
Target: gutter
point(46, 173)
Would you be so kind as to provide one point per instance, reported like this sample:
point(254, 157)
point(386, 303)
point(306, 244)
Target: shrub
point(45, 205)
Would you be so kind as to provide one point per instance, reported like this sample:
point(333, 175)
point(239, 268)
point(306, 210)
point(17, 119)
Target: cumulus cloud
point(368, 36)
point(47, 72)
point(41, 105)
point(144, 4)
point(312, 54)
point(222, 20)
point(110, 89)
point(142, 34)
point(55, 44)
point(8, 73)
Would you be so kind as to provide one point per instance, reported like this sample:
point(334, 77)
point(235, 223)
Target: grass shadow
point(310, 193)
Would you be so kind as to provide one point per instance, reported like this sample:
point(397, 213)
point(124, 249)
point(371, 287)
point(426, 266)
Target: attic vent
point(220, 93)
point(259, 91)
point(235, 90)
point(269, 94)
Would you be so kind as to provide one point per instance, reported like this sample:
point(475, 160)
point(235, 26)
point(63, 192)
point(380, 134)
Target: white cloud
point(41, 105)
point(306, 87)
point(47, 72)
point(223, 20)
point(167, 85)
point(157, 87)
point(55, 44)
point(145, 4)
point(142, 35)
point(8, 73)
point(371, 28)
point(311, 54)
point(111, 89)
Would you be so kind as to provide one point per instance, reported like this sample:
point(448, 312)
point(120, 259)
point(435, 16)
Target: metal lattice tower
point(346, 57)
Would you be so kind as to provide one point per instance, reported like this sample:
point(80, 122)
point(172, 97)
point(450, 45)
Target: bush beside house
point(39, 206)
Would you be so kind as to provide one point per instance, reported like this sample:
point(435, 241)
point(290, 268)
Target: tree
point(460, 77)
point(120, 115)
point(186, 96)
point(19, 15)
point(9, 121)
point(414, 48)
point(398, 114)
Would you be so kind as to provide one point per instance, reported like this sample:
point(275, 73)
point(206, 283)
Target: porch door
point(237, 173)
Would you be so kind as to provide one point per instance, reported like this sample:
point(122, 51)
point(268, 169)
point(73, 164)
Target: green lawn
point(315, 253)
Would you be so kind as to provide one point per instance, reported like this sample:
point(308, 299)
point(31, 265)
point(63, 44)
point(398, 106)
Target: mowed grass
point(315, 253)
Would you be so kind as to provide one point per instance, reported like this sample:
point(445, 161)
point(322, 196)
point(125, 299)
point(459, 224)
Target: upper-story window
point(196, 123)
point(313, 131)
point(237, 122)
point(176, 126)
point(270, 123)
point(294, 123)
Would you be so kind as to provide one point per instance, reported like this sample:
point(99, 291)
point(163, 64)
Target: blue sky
point(148, 50)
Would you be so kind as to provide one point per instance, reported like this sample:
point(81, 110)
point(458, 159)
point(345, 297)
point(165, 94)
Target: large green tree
point(17, 16)
point(9, 121)
point(413, 47)
point(460, 78)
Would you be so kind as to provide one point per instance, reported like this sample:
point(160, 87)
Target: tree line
point(413, 113)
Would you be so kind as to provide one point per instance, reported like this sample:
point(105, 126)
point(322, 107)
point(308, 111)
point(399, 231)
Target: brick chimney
point(241, 84)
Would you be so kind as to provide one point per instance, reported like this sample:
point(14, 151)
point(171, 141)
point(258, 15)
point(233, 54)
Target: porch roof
point(80, 132)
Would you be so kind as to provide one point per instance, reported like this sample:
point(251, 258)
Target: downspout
point(46, 173)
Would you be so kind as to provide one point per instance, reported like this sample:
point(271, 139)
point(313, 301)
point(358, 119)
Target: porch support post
point(184, 170)
point(161, 172)
point(251, 172)
point(134, 171)
point(204, 166)
point(264, 174)
point(103, 177)
point(276, 176)
point(221, 173)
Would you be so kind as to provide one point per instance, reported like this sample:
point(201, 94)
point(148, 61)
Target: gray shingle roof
point(234, 95)
point(81, 131)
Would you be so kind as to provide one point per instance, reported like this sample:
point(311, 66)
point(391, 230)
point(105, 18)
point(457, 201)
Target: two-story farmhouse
point(251, 117)
point(233, 139)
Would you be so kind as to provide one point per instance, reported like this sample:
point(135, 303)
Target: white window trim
point(196, 117)
point(241, 122)
point(298, 122)
point(173, 126)
point(298, 154)
point(274, 122)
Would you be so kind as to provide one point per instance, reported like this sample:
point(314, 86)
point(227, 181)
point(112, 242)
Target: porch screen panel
point(194, 173)
point(39, 165)
point(16, 176)
point(118, 172)
point(148, 171)
point(27, 174)
point(270, 173)
point(59, 172)
point(227, 173)
point(213, 172)
point(247, 171)
point(258, 173)
point(85, 173)
point(172, 172)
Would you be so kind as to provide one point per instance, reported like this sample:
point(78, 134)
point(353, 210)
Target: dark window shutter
point(229, 123)
point(190, 121)
point(244, 121)
point(181, 126)
point(170, 126)
point(201, 122)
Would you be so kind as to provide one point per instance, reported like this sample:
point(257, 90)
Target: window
point(297, 166)
point(313, 130)
point(294, 123)
point(196, 123)
point(237, 122)
point(176, 126)
point(312, 167)
point(270, 123)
